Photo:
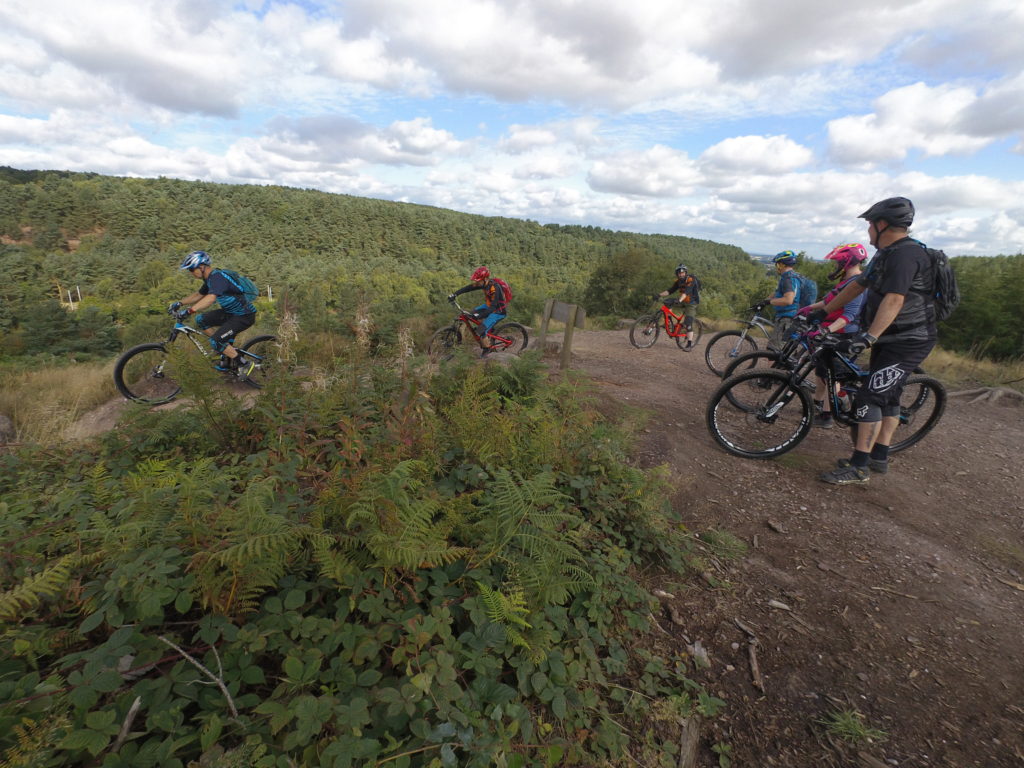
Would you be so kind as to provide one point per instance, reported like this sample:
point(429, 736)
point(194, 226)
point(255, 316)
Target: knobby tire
point(514, 333)
point(726, 346)
point(143, 374)
point(775, 416)
point(645, 330)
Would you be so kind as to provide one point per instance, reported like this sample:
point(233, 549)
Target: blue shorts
point(488, 322)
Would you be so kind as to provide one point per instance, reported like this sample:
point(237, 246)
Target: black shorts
point(889, 367)
point(229, 326)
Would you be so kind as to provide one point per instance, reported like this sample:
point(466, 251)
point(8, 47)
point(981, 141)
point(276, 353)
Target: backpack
point(808, 290)
point(945, 292)
point(245, 286)
point(504, 289)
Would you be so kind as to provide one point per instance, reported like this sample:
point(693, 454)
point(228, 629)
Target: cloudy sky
point(769, 125)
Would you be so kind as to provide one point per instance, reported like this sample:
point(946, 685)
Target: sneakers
point(689, 344)
point(877, 467)
point(847, 475)
point(244, 370)
point(822, 421)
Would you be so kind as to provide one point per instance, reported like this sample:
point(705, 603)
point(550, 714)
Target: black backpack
point(945, 292)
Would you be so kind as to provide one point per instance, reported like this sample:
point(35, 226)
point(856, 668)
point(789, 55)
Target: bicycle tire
point(644, 331)
point(514, 333)
point(443, 343)
point(774, 426)
point(696, 331)
point(263, 348)
point(921, 406)
point(751, 360)
point(141, 374)
point(726, 346)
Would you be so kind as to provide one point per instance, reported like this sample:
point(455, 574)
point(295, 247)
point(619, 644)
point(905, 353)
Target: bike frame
point(204, 349)
point(466, 317)
point(758, 321)
point(681, 329)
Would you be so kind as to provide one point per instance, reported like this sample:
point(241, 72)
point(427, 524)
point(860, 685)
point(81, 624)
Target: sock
point(860, 459)
point(880, 452)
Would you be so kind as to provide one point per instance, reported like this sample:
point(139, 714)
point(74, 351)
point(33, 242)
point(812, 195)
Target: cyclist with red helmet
point(495, 305)
point(843, 319)
point(688, 287)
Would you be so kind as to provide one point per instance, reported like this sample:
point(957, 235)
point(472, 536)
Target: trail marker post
point(572, 315)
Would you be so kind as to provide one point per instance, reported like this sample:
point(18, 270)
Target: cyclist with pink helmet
point(848, 259)
point(495, 306)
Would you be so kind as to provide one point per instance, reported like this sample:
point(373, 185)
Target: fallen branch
point(688, 743)
point(219, 682)
point(755, 668)
point(989, 394)
point(903, 594)
point(133, 710)
point(1014, 584)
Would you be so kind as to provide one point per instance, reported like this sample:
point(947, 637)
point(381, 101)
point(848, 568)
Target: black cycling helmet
point(898, 211)
point(682, 268)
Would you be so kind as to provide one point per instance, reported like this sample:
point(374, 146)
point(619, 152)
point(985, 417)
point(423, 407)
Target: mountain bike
point(145, 373)
point(645, 330)
point(504, 337)
point(726, 346)
point(762, 413)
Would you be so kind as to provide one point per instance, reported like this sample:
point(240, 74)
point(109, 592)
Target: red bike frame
point(680, 329)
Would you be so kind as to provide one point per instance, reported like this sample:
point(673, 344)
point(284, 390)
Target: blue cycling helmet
point(786, 257)
point(196, 259)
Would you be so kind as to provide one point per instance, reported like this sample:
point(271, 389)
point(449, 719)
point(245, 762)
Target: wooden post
point(544, 323)
point(570, 326)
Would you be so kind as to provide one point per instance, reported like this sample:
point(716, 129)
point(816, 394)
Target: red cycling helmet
point(845, 256)
point(481, 273)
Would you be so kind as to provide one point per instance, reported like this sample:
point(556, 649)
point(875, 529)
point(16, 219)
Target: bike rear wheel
point(696, 331)
point(921, 406)
point(726, 346)
point(261, 352)
point(443, 343)
point(645, 331)
point(774, 417)
point(509, 337)
point(144, 374)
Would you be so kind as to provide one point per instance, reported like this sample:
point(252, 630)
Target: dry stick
point(209, 674)
point(755, 669)
point(689, 742)
point(133, 710)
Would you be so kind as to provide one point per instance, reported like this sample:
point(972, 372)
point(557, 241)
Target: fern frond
point(31, 592)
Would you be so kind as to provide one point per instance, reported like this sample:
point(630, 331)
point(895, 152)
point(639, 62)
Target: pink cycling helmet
point(845, 256)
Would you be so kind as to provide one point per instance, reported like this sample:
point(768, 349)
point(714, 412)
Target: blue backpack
point(245, 286)
point(807, 290)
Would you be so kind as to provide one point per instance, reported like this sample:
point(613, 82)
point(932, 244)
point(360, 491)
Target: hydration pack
point(945, 292)
point(504, 289)
point(807, 292)
point(245, 286)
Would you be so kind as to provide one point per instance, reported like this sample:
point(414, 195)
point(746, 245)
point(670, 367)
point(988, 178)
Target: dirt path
point(904, 594)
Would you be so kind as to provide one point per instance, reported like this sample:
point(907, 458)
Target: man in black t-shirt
point(688, 287)
point(897, 323)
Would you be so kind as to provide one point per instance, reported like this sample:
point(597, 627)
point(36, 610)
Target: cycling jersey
point(688, 288)
point(229, 296)
point(903, 267)
point(494, 296)
point(851, 311)
point(787, 283)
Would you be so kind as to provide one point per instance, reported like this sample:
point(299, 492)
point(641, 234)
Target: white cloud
point(657, 172)
point(752, 155)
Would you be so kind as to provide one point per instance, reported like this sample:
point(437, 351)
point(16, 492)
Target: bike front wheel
point(509, 337)
point(774, 416)
point(259, 357)
point(443, 343)
point(144, 374)
point(645, 331)
point(726, 346)
point(696, 331)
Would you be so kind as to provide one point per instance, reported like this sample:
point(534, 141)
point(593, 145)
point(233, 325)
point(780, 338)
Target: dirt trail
point(904, 594)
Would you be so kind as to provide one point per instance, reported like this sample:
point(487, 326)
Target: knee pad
point(201, 322)
point(217, 344)
point(867, 407)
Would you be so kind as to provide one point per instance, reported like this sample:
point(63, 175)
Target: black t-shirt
point(904, 268)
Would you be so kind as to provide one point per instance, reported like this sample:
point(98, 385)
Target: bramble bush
point(380, 564)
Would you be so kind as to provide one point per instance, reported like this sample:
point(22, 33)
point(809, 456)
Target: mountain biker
point(848, 259)
point(900, 323)
point(784, 298)
point(688, 287)
point(494, 308)
point(236, 312)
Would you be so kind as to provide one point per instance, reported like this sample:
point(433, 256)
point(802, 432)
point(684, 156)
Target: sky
point(767, 125)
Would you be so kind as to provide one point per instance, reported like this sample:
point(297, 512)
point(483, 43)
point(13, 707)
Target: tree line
point(121, 239)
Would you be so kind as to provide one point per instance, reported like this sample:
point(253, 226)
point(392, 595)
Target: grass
point(44, 402)
point(959, 370)
point(849, 725)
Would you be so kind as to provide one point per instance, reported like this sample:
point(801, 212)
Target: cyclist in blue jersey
point(236, 312)
point(784, 298)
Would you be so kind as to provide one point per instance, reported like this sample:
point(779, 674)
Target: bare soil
point(903, 598)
